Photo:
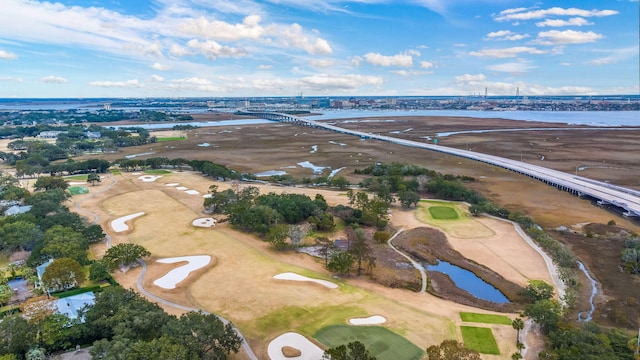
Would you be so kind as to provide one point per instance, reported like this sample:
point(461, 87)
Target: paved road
point(415, 264)
point(624, 198)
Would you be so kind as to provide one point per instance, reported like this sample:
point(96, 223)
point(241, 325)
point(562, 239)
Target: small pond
point(468, 281)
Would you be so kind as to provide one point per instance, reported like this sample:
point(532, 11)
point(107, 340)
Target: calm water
point(466, 280)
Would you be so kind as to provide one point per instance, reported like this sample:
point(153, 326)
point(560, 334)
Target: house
point(71, 306)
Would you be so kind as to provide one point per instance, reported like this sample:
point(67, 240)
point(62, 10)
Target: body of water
point(468, 281)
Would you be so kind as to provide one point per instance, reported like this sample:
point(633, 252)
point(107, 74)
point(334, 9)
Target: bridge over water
point(627, 200)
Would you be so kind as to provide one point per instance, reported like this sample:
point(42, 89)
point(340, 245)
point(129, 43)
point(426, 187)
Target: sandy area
point(192, 192)
point(149, 178)
point(119, 224)
point(371, 320)
point(175, 276)
point(172, 184)
point(204, 222)
point(296, 277)
point(308, 349)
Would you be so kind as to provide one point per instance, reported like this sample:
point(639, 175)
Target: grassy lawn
point(75, 190)
point(157, 172)
point(115, 172)
point(485, 318)
point(381, 342)
point(479, 339)
point(443, 213)
point(77, 177)
point(177, 138)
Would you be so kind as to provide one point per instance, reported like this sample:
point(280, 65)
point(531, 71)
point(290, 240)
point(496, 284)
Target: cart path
point(415, 264)
point(141, 289)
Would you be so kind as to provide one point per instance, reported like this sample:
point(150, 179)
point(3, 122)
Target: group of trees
point(121, 325)
point(631, 255)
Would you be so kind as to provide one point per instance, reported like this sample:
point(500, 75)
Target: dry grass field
point(239, 284)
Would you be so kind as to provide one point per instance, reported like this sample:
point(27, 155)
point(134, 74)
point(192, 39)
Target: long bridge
point(627, 200)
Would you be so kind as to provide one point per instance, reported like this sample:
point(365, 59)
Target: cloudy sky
point(210, 48)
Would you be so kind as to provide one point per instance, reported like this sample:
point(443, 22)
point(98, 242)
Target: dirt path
point(415, 264)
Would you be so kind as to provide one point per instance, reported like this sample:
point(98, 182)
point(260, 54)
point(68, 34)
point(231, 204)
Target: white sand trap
point(296, 277)
point(119, 224)
point(204, 222)
point(136, 174)
point(172, 184)
point(308, 349)
point(207, 196)
point(371, 320)
point(149, 178)
point(192, 192)
point(72, 183)
point(181, 188)
point(173, 277)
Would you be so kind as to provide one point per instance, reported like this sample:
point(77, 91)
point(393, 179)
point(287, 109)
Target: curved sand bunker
point(172, 184)
point(173, 277)
point(308, 349)
point(296, 277)
point(118, 225)
point(371, 320)
point(192, 192)
point(149, 178)
point(204, 222)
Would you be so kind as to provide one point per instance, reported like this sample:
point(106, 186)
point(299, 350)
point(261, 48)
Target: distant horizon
point(262, 48)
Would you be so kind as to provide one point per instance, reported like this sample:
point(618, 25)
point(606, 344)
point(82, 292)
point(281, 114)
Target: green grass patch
point(381, 342)
point(177, 138)
point(115, 172)
point(77, 177)
point(443, 212)
point(479, 339)
point(485, 318)
point(157, 172)
point(75, 190)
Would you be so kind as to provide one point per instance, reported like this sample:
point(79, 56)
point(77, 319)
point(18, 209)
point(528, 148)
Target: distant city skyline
point(227, 48)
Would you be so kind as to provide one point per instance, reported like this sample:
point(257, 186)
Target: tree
point(277, 236)
point(341, 262)
point(124, 255)
point(352, 351)
point(326, 246)
point(296, 234)
point(358, 247)
point(6, 293)
point(205, 334)
point(518, 325)
point(451, 350)
point(64, 242)
point(408, 198)
point(51, 182)
point(19, 235)
point(17, 336)
point(62, 274)
point(93, 178)
point(537, 290)
point(546, 313)
point(98, 271)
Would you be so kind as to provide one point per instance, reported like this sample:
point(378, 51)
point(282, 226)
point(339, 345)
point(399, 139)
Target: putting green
point(443, 212)
point(485, 318)
point(479, 339)
point(75, 190)
point(381, 342)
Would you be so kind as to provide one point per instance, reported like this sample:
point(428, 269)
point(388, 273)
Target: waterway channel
point(468, 281)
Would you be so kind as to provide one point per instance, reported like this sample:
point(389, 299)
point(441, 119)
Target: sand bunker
point(72, 183)
point(204, 222)
point(207, 196)
point(118, 225)
point(371, 320)
point(181, 188)
point(308, 349)
point(296, 277)
point(192, 192)
point(149, 178)
point(172, 184)
point(173, 277)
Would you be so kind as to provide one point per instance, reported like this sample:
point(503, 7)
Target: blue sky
point(211, 48)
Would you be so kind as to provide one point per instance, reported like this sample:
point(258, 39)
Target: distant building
point(17, 210)
point(50, 134)
point(92, 134)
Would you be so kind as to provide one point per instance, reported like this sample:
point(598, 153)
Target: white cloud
point(356, 61)
point(566, 37)
point(410, 72)
point(577, 21)
point(615, 56)
point(179, 51)
point(250, 28)
point(427, 64)
point(403, 60)
point(195, 84)
point(507, 52)
point(7, 55)
point(526, 14)
point(264, 67)
point(54, 80)
point(293, 36)
point(160, 67)
point(326, 82)
point(157, 78)
point(11, 78)
point(212, 50)
point(512, 67)
point(505, 35)
point(322, 63)
point(469, 78)
point(134, 83)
